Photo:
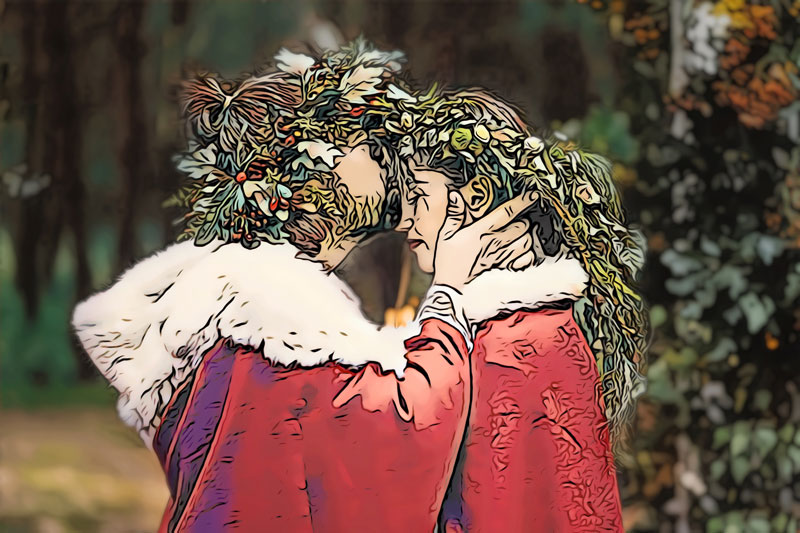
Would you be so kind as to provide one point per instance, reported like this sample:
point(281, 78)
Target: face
point(424, 211)
point(360, 190)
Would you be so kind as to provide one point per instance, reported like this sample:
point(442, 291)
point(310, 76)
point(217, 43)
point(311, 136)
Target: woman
point(537, 454)
point(269, 400)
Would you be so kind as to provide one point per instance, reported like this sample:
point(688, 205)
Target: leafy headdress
point(262, 150)
point(471, 133)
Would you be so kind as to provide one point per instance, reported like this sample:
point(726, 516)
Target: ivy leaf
point(756, 311)
point(764, 439)
point(740, 467)
point(768, 248)
point(205, 234)
point(725, 346)
point(680, 264)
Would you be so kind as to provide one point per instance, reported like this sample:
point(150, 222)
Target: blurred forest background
point(696, 102)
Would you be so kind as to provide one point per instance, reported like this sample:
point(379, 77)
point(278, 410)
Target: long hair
point(579, 212)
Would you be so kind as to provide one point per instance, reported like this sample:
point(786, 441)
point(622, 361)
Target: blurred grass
point(76, 469)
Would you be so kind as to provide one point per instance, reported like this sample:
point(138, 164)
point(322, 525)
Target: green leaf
point(757, 311)
point(769, 248)
point(741, 438)
point(725, 346)
point(658, 316)
point(794, 454)
point(718, 468)
point(764, 440)
point(722, 436)
point(740, 467)
point(786, 433)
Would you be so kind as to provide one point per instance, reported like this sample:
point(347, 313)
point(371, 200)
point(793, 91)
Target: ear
point(479, 194)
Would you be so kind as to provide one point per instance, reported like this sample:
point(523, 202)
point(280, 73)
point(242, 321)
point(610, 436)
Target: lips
point(413, 243)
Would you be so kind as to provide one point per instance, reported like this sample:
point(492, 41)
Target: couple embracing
point(274, 405)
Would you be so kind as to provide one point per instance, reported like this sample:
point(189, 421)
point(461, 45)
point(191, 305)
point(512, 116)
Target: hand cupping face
point(497, 240)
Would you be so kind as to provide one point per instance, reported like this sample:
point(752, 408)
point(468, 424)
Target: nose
point(405, 225)
point(406, 218)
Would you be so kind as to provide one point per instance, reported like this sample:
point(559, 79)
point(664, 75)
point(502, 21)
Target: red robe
point(268, 448)
point(259, 444)
point(536, 455)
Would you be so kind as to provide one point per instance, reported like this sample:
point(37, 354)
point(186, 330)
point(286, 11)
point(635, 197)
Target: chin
point(425, 262)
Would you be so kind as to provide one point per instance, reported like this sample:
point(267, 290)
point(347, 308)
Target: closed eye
point(414, 195)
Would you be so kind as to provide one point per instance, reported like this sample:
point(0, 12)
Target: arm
point(437, 366)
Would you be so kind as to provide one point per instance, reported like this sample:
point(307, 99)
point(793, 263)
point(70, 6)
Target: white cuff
point(446, 304)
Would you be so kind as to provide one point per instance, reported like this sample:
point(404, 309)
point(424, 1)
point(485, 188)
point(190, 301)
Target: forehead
point(426, 177)
point(359, 171)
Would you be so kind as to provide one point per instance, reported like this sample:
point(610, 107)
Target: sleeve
point(437, 366)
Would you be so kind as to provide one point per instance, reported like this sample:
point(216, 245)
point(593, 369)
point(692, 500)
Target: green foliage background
point(703, 132)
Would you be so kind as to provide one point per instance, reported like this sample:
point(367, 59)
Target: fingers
point(506, 235)
point(456, 211)
point(405, 316)
point(515, 255)
point(514, 251)
point(401, 316)
point(507, 211)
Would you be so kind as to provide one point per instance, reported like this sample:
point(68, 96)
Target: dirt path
point(76, 469)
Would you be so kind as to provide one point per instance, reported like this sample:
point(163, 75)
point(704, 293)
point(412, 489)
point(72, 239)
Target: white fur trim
point(151, 328)
point(496, 291)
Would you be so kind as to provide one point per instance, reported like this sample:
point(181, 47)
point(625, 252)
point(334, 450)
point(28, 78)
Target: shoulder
point(152, 327)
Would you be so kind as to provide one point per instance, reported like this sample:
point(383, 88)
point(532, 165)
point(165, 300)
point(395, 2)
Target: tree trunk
point(132, 127)
point(26, 246)
point(64, 143)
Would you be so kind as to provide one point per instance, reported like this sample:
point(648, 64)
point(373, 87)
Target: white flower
point(396, 93)
point(293, 63)
point(706, 32)
point(534, 144)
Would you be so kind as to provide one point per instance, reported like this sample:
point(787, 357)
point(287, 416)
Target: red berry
point(357, 111)
point(273, 203)
point(240, 177)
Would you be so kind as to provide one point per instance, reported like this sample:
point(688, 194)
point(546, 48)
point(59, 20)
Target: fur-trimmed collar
point(148, 330)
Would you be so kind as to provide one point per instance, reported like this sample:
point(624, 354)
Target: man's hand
point(494, 241)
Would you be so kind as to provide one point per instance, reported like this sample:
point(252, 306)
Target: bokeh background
point(696, 102)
